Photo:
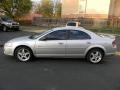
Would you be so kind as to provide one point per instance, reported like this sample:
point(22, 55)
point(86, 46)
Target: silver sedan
point(63, 42)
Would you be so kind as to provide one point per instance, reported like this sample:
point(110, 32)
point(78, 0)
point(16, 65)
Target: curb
point(35, 31)
point(117, 53)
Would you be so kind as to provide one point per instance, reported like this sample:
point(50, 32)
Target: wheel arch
point(22, 46)
point(100, 48)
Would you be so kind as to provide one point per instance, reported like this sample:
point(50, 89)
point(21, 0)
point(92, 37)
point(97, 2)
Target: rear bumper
point(111, 52)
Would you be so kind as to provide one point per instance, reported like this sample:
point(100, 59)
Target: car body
point(73, 23)
point(62, 42)
point(8, 24)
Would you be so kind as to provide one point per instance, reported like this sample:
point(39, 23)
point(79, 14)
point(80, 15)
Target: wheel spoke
point(97, 53)
point(23, 51)
point(95, 56)
point(20, 54)
point(92, 56)
point(100, 57)
point(27, 53)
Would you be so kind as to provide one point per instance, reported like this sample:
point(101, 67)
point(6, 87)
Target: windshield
point(6, 19)
point(35, 36)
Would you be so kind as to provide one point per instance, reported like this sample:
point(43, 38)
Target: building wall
point(79, 8)
point(70, 7)
point(114, 11)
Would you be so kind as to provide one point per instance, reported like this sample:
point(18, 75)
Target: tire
point(18, 29)
point(4, 28)
point(95, 56)
point(23, 54)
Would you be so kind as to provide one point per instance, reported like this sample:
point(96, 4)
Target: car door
point(52, 44)
point(77, 43)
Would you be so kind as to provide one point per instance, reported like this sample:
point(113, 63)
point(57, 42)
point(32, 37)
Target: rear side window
point(78, 35)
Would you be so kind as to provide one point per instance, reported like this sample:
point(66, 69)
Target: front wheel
point(95, 56)
point(4, 28)
point(23, 54)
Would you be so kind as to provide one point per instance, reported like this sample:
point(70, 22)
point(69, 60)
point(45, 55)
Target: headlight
point(8, 45)
point(8, 24)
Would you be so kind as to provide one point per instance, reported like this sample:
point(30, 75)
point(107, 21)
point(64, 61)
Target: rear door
point(77, 43)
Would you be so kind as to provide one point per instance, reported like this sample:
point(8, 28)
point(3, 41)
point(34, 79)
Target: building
point(70, 7)
point(90, 8)
point(114, 11)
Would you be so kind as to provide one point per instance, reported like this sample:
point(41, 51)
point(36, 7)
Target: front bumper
point(13, 27)
point(8, 51)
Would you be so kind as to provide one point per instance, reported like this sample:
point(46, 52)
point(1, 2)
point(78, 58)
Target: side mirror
point(43, 39)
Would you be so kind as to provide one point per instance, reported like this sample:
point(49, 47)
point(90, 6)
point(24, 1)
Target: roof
point(70, 27)
point(92, 34)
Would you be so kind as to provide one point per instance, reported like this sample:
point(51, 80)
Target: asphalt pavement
point(6, 36)
point(57, 74)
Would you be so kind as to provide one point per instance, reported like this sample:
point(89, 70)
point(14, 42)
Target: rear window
point(71, 24)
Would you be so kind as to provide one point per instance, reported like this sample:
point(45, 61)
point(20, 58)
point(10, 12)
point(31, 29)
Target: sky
point(95, 6)
point(98, 6)
point(35, 0)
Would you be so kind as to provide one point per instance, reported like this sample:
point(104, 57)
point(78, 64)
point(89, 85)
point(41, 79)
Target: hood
point(20, 39)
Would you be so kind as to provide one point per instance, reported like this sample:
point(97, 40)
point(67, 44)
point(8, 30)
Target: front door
point(52, 44)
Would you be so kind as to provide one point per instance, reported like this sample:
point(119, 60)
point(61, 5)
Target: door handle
point(60, 43)
point(88, 42)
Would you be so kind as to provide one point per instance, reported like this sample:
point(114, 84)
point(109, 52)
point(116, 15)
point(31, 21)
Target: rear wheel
point(23, 54)
point(95, 56)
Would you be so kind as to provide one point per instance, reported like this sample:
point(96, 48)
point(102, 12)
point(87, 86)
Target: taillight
point(114, 43)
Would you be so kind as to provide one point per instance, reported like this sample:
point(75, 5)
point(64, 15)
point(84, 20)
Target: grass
point(107, 30)
point(32, 28)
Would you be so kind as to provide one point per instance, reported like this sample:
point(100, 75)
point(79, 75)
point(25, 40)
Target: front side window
point(78, 35)
point(56, 35)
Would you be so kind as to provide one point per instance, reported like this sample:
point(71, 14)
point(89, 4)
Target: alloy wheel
point(23, 54)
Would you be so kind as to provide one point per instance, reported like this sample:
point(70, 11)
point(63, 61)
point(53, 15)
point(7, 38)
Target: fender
point(94, 46)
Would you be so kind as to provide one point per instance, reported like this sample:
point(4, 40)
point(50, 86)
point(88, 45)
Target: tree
point(58, 8)
point(45, 8)
point(16, 8)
